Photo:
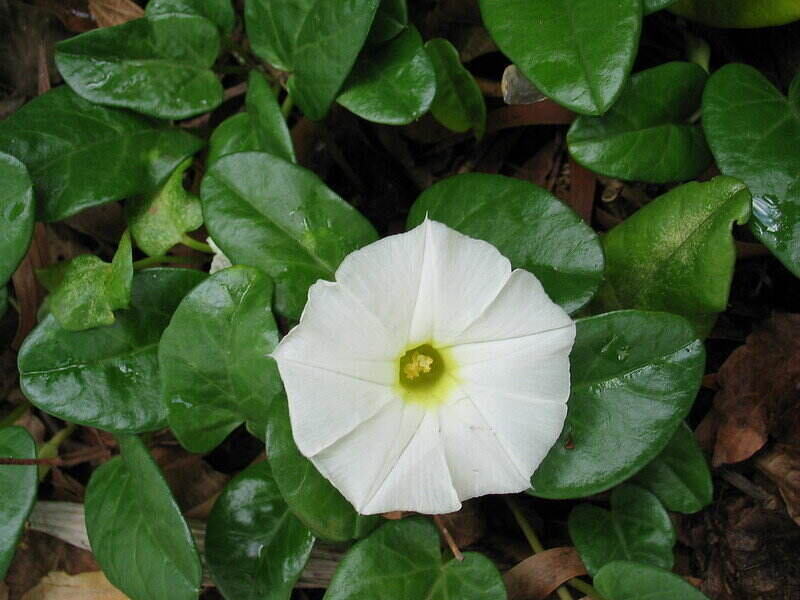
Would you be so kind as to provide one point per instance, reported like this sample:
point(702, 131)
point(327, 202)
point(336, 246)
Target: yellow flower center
point(426, 375)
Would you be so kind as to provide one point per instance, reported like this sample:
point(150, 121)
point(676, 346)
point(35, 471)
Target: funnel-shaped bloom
point(428, 373)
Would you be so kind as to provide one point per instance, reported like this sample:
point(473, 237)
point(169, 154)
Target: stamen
point(419, 364)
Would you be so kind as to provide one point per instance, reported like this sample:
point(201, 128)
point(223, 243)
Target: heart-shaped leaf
point(677, 254)
point(19, 490)
point(309, 495)
point(651, 6)
point(317, 42)
point(16, 215)
point(646, 135)
point(255, 548)
point(107, 377)
point(739, 13)
point(390, 20)
point(578, 53)
point(623, 580)
point(679, 476)
point(393, 83)
point(213, 356)
point(80, 154)
point(637, 528)
point(754, 134)
point(266, 212)
point(402, 560)
point(219, 12)
point(634, 378)
point(136, 529)
point(531, 227)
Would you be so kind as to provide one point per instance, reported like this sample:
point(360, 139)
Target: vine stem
point(15, 414)
point(287, 105)
point(165, 258)
point(196, 244)
point(50, 449)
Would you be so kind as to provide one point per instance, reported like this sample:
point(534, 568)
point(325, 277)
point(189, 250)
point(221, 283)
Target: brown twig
point(451, 543)
point(53, 462)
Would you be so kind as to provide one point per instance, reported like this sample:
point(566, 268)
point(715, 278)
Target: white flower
point(428, 373)
point(220, 261)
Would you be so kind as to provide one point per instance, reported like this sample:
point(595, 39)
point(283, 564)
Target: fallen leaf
point(108, 13)
point(467, 525)
point(546, 112)
point(540, 575)
point(782, 466)
point(192, 480)
point(580, 197)
point(86, 586)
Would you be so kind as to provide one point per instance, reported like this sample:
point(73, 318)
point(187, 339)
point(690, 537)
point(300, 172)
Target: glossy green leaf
point(634, 378)
point(647, 135)
point(458, 104)
point(19, 485)
point(136, 529)
point(739, 13)
point(637, 528)
point(754, 134)
point(219, 12)
point(578, 53)
point(677, 254)
point(213, 356)
point(390, 20)
point(309, 495)
point(651, 6)
point(623, 580)
point(107, 377)
point(80, 154)
point(16, 215)
point(159, 65)
point(261, 128)
point(266, 212)
point(679, 476)
point(402, 560)
point(317, 42)
point(85, 291)
point(255, 548)
point(159, 220)
point(393, 83)
point(535, 230)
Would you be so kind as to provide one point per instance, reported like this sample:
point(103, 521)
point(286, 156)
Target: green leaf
point(255, 548)
point(261, 128)
point(136, 529)
point(677, 254)
point(159, 220)
point(754, 134)
point(535, 230)
point(19, 485)
point(107, 377)
point(16, 215)
point(80, 154)
point(402, 560)
point(458, 104)
point(739, 13)
point(216, 372)
point(637, 528)
point(646, 135)
point(265, 212)
point(158, 65)
point(85, 291)
point(635, 375)
point(317, 42)
point(679, 476)
point(309, 495)
point(651, 6)
point(623, 580)
point(390, 20)
point(219, 12)
point(578, 53)
point(393, 83)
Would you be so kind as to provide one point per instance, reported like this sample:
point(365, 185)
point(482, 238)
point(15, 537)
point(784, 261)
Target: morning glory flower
point(428, 373)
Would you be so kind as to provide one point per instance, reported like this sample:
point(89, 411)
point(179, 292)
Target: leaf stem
point(50, 449)
point(287, 105)
point(15, 414)
point(585, 588)
point(166, 258)
point(196, 244)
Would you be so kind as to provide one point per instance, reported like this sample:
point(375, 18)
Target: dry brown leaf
point(582, 184)
point(540, 575)
point(519, 115)
point(782, 466)
point(108, 13)
point(86, 586)
point(192, 480)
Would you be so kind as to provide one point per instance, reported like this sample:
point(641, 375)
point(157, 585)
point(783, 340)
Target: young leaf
point(80, 154)
point(309, 495)
point(637, 528)
point(16, 215)
point(214, 358)
point(159, 66)
point(646, 135)
point(19, 485)
point(255, 548)
point(85, 291)
point(623, 580)
point(390, 20)
point(107, 377)
point(402, 560)
point(754, 134)
point(393, 84)
point(136, 529)
point(679, 476)
point(535, 230)
point(634, 378)
point(265, 212)
point(159, 220)
point(219, 12)
point(579, 52)
point(739, 14)
point(317, 42)
point(458, 104)
point(677, 254)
